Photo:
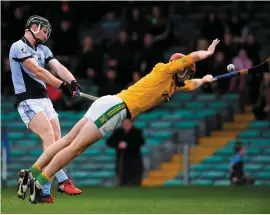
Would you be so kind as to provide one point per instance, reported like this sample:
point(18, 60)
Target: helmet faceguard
point(183, 75)
point(40, 22)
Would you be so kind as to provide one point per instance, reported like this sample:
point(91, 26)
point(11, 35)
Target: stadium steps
point(217, 140)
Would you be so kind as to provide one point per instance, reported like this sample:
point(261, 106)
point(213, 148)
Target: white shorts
point(30, 107)
point(107, 113)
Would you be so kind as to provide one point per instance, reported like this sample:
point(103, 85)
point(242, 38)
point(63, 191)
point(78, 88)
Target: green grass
point(148, 200)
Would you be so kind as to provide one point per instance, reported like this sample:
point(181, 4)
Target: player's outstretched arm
point(201, 55)
point(187, 61)
point(46, 76)
point(64, 73)
point(196, 83)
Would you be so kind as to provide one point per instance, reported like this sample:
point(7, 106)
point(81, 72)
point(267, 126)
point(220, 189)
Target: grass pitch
point(147, 200)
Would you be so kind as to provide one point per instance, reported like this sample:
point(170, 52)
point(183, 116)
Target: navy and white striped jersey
point(26, 84)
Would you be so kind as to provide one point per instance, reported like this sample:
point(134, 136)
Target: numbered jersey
point(26, 84)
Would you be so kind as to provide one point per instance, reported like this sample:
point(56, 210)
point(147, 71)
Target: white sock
point(61, 176)
point(46, 189)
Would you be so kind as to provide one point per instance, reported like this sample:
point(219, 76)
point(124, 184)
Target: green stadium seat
point(233, 142)
point(262, 175)
point(253, 151)
point(101, 143)
point(67, 124)
point(183, 96)
point(79, 174)
point(102, 174)
point(162, 134)
point(110, 152)
point(16, 125)
point(249, 134)
point(15, 166)
point(201, 167)
point(218, 104)
point(253, 167)
point(206, 97)
point(6, 105)
point(172, 104)
point(230, 96)
point(213, 159)
point(214, 174)
point(185, 125)
point(194, 174)
point(151, 141)
point(202, 182)
point(25, 143)
point(108, 167)
point(173, 183)
point(17, 152)
point(160, 125)
point(81, 158)
point(145, 151)
point(89, 183)
point(266, 168)
point(36, 152)
point(140, 124)
point(261, 159)
point(92, 152)
point(225, 151)
point(195, 105)
point(222, 183)
point(259, 124)
point(33, 136)
point(266, 134)
point(206, 113)
point(15, 135)
point(103, 159)
point(222, 167)
point(267, 151)
point(147, 116)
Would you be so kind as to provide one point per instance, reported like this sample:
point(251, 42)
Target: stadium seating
point(193, 114)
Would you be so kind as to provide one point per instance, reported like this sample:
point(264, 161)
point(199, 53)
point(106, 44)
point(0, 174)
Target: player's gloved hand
point(66, 89)
point(75, 86)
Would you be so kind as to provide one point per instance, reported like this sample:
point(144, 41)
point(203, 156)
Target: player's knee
point(48, 135)
point(77, 150)
point(57, 134)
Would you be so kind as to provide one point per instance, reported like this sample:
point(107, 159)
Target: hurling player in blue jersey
point(28, 60)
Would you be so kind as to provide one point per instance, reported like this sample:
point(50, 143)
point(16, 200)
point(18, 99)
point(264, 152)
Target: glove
point(66, 89)
point(75, 86)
